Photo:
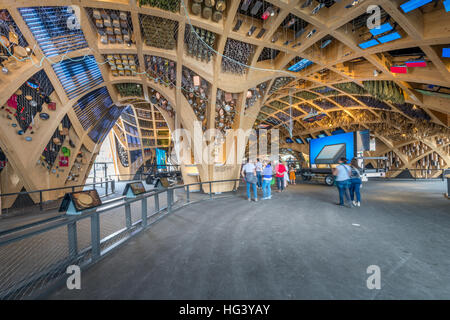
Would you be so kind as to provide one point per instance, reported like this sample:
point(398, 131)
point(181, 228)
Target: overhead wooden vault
point(329, 39)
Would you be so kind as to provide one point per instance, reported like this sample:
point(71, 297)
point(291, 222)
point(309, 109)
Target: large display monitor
point(329, 149)
point(331, 154)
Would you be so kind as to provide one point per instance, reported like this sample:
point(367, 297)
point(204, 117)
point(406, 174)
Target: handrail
point(41, 191)
point(27, 282)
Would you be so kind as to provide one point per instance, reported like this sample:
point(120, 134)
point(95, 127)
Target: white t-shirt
point(248, 167)
point(259, 166)
point(343, 172)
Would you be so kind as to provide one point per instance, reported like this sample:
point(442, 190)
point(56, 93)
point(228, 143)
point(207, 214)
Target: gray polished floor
point(299, 245)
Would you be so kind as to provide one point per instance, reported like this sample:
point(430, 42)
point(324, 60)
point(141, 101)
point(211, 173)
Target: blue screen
point(316, 145)
point(160, 158)
point(383, 28)
point(390, 37)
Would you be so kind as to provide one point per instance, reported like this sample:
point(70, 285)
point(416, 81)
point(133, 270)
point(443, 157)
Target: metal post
point(156, 203)
point(144, 212)
point(187, 194)
point(169, 199)
point(113, 186)
point(210, 190)
point(106, 187)
point(128, 215)
point(72, 237)
point(95, 235)
point(40, 201)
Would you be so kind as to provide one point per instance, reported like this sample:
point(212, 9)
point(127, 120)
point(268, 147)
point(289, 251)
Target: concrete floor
point(299, 245)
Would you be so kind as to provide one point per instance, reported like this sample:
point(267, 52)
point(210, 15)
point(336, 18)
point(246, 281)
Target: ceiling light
point(413, 4)
point(382, 29)
point(390, 37)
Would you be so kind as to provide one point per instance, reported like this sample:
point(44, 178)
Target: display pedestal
point(76, 202)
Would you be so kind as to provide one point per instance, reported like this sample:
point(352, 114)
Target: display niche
point(158, 32)
point(50, 154)
point(161, 70)
point(122, 153)
point(197, 92)
point(122, 64)
point(28, 101)
point(199, 42)
point(113, 27)
point(254, 94)
point(225, 109)
point(158, 100)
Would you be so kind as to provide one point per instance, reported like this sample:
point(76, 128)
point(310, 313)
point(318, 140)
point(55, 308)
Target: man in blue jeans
point(342, 173)
point(259, 170)
point(249, 174)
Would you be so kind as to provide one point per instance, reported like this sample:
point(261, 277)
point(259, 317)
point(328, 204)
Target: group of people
point(348, 182)
point(259, 175)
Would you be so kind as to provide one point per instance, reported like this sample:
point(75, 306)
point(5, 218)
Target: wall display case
point(79, 75)
point(13, 44)
point(158, 32)
point(169, 5)
point(199, 43)
point(255, 94)
point(209, 9)
point(113, 26)
point(161, 70)
point(55, 29)
point(90, 108)
point(122, 64)
point(122, 153)
point(238, 56)
point(197, 92)
point(225, 109)
point(28, 101)
point(51, 151)
point(129, 89)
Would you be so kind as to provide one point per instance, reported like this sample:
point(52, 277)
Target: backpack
point(355, 173)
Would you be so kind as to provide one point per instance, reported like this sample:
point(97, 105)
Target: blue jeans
point(343, 187)
point(254, 190)
point(280, 183)
point(354, 189)
point(259, 177)
point(266, 188)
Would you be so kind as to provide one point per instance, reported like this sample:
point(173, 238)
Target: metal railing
point(109, 186)
point(34, 259)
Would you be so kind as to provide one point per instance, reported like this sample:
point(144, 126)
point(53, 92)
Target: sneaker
point(354, 203)
point(269, 198)
point(256, 200)
point(249, 199)
point(358, 204)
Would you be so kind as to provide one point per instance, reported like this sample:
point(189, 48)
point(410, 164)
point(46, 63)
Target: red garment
point(280, 169)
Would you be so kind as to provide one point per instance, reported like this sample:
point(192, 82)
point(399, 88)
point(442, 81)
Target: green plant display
point(350, 87)
point(385, 90)
point(306, 95)
point(159, 32)
point(169, 5)
point(129, 89)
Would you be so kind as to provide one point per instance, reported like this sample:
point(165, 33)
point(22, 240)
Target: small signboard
point(134, 189)
point(75, 203)
point(162, 183)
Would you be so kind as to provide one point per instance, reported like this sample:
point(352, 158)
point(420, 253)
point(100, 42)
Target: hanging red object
point(63, 161)
point(399, 69)
point(416, 64)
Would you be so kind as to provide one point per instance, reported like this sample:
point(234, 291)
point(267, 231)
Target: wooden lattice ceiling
point(341, 61)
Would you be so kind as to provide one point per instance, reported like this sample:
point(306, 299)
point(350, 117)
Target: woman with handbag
point(267, 181)
point(342, 173)
point(249, 174)
point(355, 183)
